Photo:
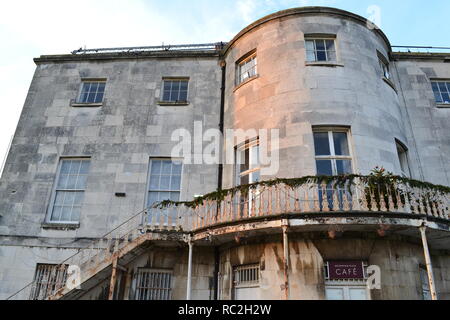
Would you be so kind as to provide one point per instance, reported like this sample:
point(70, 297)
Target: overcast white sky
point(30, 28)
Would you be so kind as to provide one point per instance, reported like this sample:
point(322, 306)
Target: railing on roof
point(421, 49)
point(180, 47)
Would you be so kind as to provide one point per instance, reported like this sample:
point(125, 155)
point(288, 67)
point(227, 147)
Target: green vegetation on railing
point(379, 184)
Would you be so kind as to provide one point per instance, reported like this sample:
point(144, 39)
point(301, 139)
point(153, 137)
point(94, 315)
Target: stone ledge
point(61, 226)
point(173, 104)
point(331, 64)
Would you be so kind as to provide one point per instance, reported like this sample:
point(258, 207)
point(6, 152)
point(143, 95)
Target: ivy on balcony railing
point(381, 190)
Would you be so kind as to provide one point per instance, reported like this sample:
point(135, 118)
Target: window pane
point(175, 196)
point(62, 183)
point(165, 183)
point(184, 85)
point(435, 86)
point(66, 213)
point(322, 144)
point(445, 97)
point(341, 144)
point(166, 167)
point(99, 98)
point(330, 45)
point(152, 198)
point(163, 196)
point(438, 97)
point(75, 167)
point(344, 167)
point(310, 56)
point(81, 182)
point(183, 96)
point(156, 167)
point(154, 182)
point(56, 215)
point(321, 56)
point(331, 56)
point(320, 45)
point(166, 96)
point(71, 182)
point(324, 168)
point(442, 86)
point(309, 45)
point(175, 85)
point(175, 183)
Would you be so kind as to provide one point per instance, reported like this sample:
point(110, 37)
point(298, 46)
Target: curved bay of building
point(319, 76)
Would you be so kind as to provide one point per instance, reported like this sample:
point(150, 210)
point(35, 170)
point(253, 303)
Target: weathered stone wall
point(120, 137)
point(293, 96)
point(428, 126)
point(175, 260)
point(399, 262)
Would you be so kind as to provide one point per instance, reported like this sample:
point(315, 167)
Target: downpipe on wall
point(431, 281)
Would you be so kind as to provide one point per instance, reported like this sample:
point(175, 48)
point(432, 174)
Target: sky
point(30, 28)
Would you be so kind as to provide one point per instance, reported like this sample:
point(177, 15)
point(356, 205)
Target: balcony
point(310, 197)
point(306, 204)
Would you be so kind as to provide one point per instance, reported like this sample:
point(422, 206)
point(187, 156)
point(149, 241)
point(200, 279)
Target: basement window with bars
point(92, 92)
point(441, 91)
point(246, 276)
point(48, 279)
point(68, 196)
point(153, 284)
point(175, 90)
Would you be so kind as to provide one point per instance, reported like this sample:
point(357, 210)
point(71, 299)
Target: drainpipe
point(286, 258)
point(222, 121)
point(220, 172)
point(423, 231)
point(216, 273)
point(189, 279)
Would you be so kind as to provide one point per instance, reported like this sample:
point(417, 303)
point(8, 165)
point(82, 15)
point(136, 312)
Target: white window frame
point(250, 172)
point(333, 157)
point(175, 79)
point(447, 85)
point(405, 161)
point(251, 72)
point(55, 190)
point(150, 175)
point(80, 91)
point(321, 38)
point(168, 288)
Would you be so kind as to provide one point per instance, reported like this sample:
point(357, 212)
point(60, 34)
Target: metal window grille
point(441, 91)
point(92, 92)
point(47, 280)
point(154, 284)
point(69, 190)
point(320, 50)
point(175, 90)
point(247, 69)
point(246, 276)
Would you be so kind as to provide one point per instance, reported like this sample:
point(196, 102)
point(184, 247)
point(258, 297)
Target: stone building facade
point(323, 77)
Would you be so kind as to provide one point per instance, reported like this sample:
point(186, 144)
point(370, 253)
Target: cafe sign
point(346, 270)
